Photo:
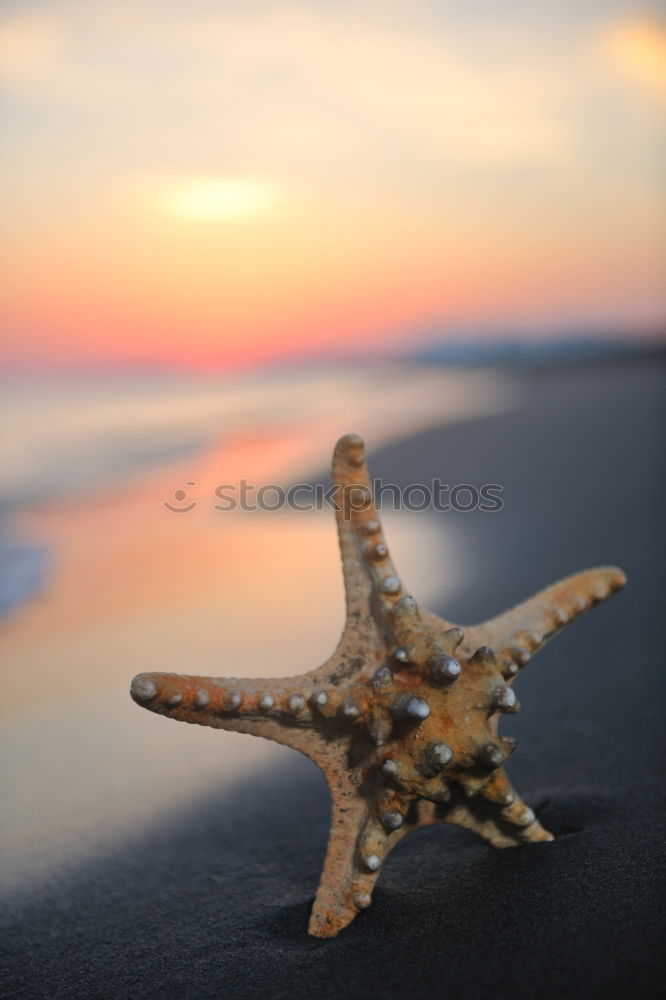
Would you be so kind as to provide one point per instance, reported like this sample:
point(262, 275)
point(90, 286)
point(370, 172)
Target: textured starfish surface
point(403, 718)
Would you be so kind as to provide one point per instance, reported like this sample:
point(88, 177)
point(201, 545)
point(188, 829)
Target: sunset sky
point(215, 182)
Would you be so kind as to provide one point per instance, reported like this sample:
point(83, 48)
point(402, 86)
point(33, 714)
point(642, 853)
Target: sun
point(206, 198)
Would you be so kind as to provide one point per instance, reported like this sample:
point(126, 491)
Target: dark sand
point(216, 905)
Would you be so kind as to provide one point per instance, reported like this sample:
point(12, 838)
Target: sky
point(222, 183)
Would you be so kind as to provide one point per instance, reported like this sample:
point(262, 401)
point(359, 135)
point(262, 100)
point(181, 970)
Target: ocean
point(70, 435)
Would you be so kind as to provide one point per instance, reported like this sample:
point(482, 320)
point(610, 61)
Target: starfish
point(403, 718)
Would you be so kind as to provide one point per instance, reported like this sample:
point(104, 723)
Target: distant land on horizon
point(514, 351)
point(446, 350)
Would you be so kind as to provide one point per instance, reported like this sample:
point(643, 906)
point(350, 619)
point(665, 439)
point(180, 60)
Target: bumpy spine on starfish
point(375, 594)
point(372, 584)
point(519, 633)
point(210, 701)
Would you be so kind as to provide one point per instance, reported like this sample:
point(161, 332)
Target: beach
point(145, 859)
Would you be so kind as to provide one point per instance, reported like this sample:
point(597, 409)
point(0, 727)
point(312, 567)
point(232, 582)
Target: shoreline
point(278, 451)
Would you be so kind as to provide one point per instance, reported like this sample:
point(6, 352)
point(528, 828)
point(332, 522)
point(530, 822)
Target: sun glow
point(638, 49)
point(218, 198)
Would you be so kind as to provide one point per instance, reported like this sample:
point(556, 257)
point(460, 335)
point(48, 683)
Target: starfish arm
point(343, 889)
point(366, 824)
point(494, 828)
point(498, 815)
point(379, 611)
point(353, 497)
point(517, 634)
point(279, 709)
